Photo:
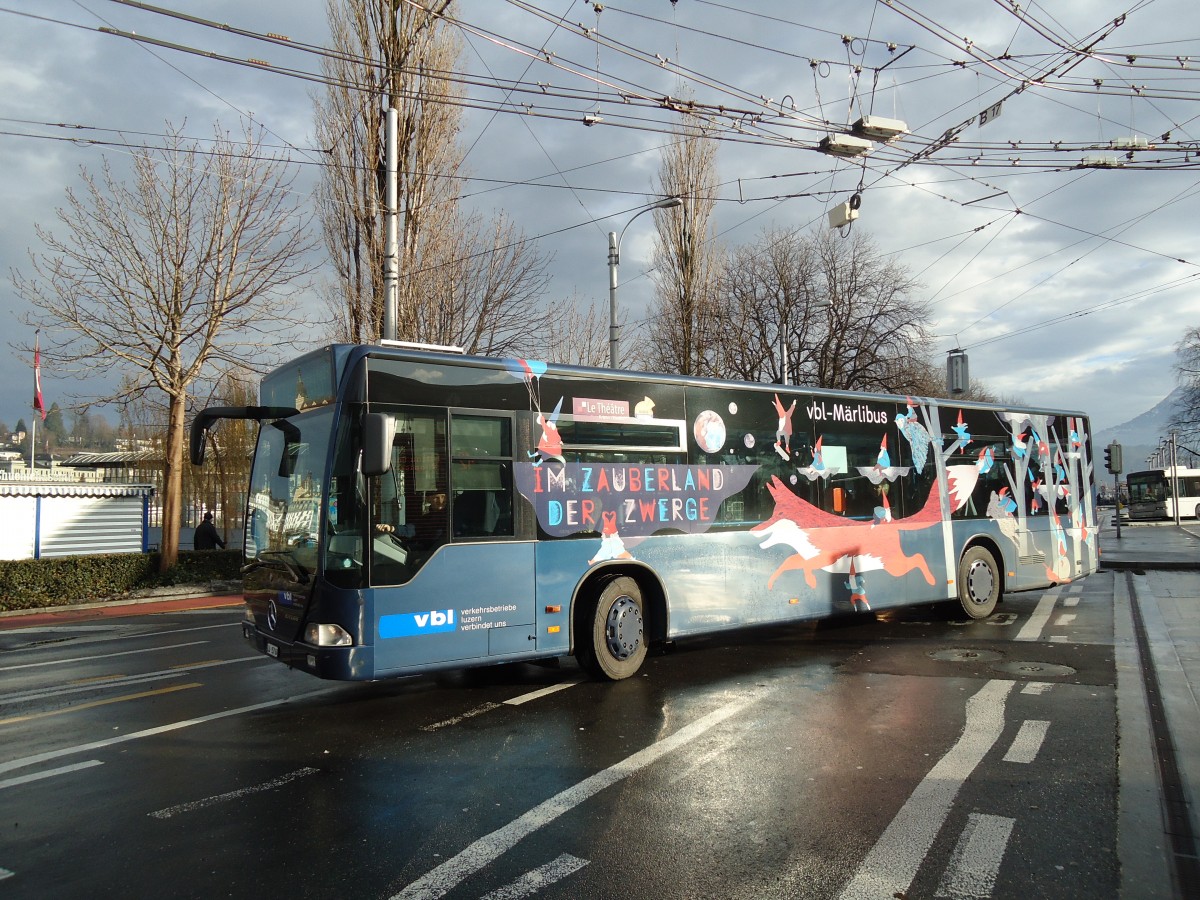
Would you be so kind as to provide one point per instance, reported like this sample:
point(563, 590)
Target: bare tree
point(876, 331)
point(767, 289)
point(577, 333)
point(403, 54)
point(486, 298)
point(1186, 418)
point(191, 264)
point(844, 313)
point(682, 329)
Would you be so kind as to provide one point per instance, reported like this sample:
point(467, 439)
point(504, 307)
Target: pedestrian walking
point(206, 537)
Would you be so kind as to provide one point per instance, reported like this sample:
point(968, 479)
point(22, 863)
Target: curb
point(225, 593)
point(1173, 565)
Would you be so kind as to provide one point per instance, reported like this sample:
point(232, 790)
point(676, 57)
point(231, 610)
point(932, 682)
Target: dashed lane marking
point(537, 695)
point(445, 877)
point(891, 865)
point(11, 720)
point(77, 659)
point(975, 863)
point(1033, 628)
point(543, 876)
point(49, 773)
point(1028, 742)
point(232, 795)
point(37, 758)
point(469, 714)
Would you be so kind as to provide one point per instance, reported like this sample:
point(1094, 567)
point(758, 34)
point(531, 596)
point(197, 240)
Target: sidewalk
point(1150, 545)
point(1157, 646)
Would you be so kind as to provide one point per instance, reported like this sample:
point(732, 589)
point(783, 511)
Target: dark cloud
point(1094, 249)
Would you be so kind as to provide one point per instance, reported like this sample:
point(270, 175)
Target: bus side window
point(481, 482)
point(408, 520)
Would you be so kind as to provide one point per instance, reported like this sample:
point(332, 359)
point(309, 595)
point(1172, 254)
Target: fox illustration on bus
point(822, 540)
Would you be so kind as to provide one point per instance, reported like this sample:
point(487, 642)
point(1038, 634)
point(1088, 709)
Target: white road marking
point(975, 863)
point(542, 876)
point(6, 873)
point(1033, 628)
point(537, 695)
point(49, 773)
point(102, 632)
point(37, 758)
point(76, 659)
point(232, 795)
point(1028, 742)
point(53, 629)
point(892, 863)
point(1071, 601)
point(87, 688)
point(469, 714)
point(442, 879)
point(121, 680)
point(1058, 639)
point(1037, 688)
point(1064, 620)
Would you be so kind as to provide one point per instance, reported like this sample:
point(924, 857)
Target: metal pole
point(1117, 502)
point(783, 356)
point(391, 275)
point(614, 260)
point(1175, 477)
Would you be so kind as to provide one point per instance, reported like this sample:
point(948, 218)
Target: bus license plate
point(272, 650)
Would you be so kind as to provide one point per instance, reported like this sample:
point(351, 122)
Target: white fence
point(60, 518)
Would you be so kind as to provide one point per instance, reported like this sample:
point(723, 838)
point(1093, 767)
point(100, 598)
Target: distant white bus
point(1151, 495)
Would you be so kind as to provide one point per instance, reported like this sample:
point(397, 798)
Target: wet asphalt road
point(912, 755)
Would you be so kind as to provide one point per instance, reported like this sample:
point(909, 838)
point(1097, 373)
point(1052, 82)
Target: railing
point(67, 476)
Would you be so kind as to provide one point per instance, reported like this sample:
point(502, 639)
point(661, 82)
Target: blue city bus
point(411, 511)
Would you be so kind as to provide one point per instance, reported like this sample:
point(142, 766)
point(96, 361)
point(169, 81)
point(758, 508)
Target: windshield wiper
point(278, 559)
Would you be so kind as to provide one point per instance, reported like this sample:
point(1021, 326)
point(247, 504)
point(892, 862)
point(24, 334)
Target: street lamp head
point(669, 203)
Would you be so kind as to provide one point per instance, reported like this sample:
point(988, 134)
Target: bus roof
point(346, 355)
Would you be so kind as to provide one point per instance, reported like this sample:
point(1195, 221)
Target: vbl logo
point(435, 620)
point(411, 624)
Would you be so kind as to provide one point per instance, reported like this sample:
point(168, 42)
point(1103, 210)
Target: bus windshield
point(286, 485)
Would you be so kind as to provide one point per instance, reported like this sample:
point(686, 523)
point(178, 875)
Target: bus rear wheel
point(614, 645)
point(978, 583)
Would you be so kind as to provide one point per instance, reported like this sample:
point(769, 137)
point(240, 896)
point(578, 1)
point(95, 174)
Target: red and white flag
point(37, 378)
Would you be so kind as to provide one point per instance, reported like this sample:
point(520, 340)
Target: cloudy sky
point(1056, 241)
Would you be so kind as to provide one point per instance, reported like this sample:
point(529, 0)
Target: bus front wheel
point(978, 583)
point(614, 645)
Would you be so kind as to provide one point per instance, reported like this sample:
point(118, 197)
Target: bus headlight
point(327, 636)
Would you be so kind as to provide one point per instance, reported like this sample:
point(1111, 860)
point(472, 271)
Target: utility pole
point(391, 274)
point(1175, 477)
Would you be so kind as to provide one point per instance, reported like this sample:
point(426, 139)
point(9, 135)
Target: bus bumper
point(334, 663)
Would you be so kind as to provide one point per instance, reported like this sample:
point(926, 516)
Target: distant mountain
point(1140, 436)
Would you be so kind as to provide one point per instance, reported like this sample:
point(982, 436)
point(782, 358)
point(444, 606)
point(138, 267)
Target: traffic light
point(1112, 458)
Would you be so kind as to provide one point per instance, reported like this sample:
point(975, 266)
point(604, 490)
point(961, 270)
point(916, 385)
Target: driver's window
point(408, 503)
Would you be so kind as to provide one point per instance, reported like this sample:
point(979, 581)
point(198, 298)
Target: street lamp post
point(614, 260)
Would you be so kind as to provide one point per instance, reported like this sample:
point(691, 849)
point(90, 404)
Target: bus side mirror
point(378, 432)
